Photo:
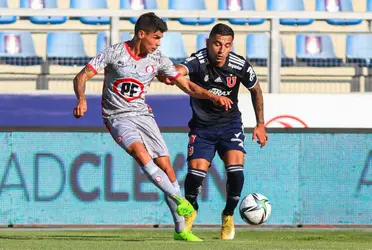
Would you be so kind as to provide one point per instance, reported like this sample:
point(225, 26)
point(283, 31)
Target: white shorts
point(126, 130)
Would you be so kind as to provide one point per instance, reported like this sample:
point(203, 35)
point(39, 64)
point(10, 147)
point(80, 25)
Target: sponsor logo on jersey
point(234, 66)
point(251, 73)
point(128, 88)
point(220, 92)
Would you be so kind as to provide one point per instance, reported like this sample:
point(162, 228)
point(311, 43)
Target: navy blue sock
point(234, 186)
point(193, 185)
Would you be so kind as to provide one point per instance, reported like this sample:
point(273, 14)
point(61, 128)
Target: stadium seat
point(359, 50)
point(66, 48)
point(17, 48)
point(236, 5)
point(257, 50)
point(289, 5)
point(103, 41)
point(138, 5)
point(41, 4)
point(201, 41)
point(173, 46)
point(337, 6)
point(6, 19)
point(91, 4)
point(190, 5)
point(316, 50)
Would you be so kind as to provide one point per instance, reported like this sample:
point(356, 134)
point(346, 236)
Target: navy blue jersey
point(222, 81)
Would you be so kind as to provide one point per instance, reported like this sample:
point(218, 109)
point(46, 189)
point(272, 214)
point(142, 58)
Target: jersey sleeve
point(99, 62)
point(192, 64)
point(167, 68)
point(249, 77)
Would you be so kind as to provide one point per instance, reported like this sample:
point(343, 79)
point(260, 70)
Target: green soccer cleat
point(186, 235)
point(184, 207)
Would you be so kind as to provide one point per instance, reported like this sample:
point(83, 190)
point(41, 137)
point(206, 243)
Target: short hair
point(222, 29)
point(149, 22)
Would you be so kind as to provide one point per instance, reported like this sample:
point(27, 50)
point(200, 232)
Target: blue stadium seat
point(289, 5)
point(359, 49)
point(173, 46)
point(66, 48)
point(316, 50)
point(201, 41)
point(103, 41)
point(6, 19)
point(369, 5)
point(257, 50)
point(190, 5)
point(41, 4)
point(337, 6)
point(138, 5)
point(240, 5)
point(17, 48)
point(91, 4)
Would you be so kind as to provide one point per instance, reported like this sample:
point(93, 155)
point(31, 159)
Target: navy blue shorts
point(204, 142)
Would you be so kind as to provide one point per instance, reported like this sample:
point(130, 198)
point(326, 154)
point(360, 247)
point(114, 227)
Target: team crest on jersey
point(150, 69)
point(128, 88)
point(231, 81)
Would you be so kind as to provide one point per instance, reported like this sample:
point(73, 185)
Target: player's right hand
point(80, 108)
point(223, 101)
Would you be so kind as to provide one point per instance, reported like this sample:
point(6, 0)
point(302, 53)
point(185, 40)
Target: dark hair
point(149, 22)
point(222, 29)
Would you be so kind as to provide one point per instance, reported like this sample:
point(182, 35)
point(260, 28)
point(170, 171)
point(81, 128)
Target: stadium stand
point(237, 5)
point(91, 4)
point(359, 50)
point(190, 5)
point(138, 5)
point(41, 4)
point(66, 49)
point(337, 6)
point(289, 5)
point(6, 19)
point(316, 50)
point(17, 48)
point(173, 46)
point(257, 50)
point(103, 39)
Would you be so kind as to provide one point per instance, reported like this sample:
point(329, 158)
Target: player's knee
point(235, 179)
point(141, 156)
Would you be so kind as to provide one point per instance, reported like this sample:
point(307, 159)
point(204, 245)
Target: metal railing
point(272, 16)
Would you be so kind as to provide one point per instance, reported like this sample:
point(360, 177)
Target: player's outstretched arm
point(79, 87)
point(259, 132)
point(195, 91)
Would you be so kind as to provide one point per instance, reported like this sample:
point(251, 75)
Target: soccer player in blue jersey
point(220, 71)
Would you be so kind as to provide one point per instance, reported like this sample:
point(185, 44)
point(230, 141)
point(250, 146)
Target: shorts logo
point(158, 179)
point(119, 139)
point(192, 139)
point(191, 150)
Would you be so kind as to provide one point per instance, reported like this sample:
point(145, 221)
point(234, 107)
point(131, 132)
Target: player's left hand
point(259, 133)
point(164, 79)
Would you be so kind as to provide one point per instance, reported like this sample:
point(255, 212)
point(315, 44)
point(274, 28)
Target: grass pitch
point(162, 239)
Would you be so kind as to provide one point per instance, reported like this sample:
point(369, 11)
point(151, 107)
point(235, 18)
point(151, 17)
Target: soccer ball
point(255, 209)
